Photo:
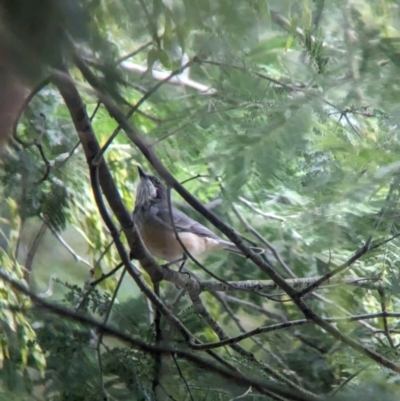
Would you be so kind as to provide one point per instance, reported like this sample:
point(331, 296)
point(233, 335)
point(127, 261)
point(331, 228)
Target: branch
point(31, 95)
point(261, 386)
point(45, 161)
point(290, 324)
point(297, 283)
point(158, 337)
point(104, 276)
point(264, 241)
point(91, 148)
point(33, 249)
point(65, 244)
point(134, 52)
point(100, 336)
point(179, 79)
point(384, 318)
point(260, 212)
point(182, 377)
point(366, 248)
point(336, 271)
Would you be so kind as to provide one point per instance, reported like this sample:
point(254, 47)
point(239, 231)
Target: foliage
point(295, 139)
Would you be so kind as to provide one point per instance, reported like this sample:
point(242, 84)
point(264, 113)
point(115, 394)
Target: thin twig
point(150, 92)
point(348, 380)
point(158, 337)
point(33, 249)
point(104, 276)
point(258, 309)
point(96, 109)
point(260, 212)
point(90, 286)
point(287, 25)
point(65, 244)
point(247, 392)
point(46, 81)
point(101, 333)
point(182, 377)
point(362, 251)
point(382, 296)
point(167, 394)
point(46, 163)
point(134, 52)
point(251, 229)
point(151, 21)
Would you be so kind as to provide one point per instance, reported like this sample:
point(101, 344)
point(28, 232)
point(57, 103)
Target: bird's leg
point(166, 266)
point(169, 264)
point(183, 262)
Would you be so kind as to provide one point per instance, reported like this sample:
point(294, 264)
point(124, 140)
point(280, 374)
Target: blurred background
point(280, 116)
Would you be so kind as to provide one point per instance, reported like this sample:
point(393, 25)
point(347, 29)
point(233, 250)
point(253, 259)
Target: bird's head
point(150, 189)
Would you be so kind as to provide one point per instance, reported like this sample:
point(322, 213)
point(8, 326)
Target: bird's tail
point(228, 246)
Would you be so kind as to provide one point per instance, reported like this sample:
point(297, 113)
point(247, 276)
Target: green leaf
point(163, 57)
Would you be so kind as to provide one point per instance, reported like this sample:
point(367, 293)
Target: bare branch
point(297, 283)
point(178, 79)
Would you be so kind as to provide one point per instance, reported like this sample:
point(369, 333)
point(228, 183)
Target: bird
point(152, 218)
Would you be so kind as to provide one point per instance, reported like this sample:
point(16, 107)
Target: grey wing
point(183, 223)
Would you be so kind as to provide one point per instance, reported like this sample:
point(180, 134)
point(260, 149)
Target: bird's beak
point(142, 173)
